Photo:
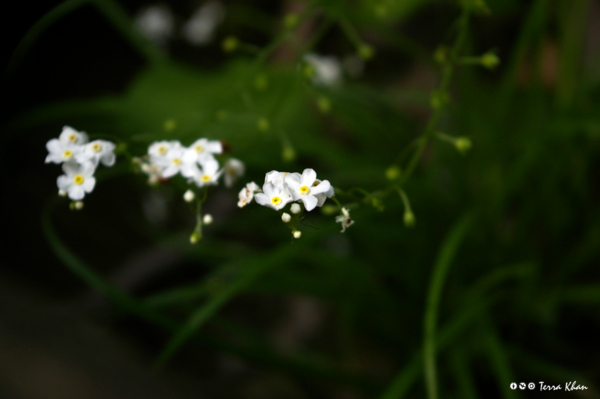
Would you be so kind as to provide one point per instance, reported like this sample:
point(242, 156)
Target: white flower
point(234, 168)
point(247, 194)
point(153, 171)
point(200, 28)
point(328, 70)
point(276, 178)
point(77, 180)
point(98, 151)
point(156, 22)
point(70, 135)
point(189, 196)
point(203, 149)
point(306, 188)
point(275, 197)
point(61, 151)
point(159, 149)
point(285, 217)
point(172, 162)
point(323, 196)
point(209, 174)
point(344, 219)
point(295, 209)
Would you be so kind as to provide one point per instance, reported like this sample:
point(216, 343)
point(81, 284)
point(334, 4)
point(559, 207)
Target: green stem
point(113, 12)
point(436, 285)
point(447, 72)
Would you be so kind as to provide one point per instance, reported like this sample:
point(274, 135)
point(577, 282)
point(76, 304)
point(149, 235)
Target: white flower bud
point(286, 217)
point(208, 219)
point(297, 234)
point(62, 193)
point(295, 209)
point(194, 238)
point(79, 205)
point(189, 196)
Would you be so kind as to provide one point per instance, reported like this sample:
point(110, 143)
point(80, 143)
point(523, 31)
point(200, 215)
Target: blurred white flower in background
point(156, 22)
point(327, 69)
point(199, 30)
point(234, 169)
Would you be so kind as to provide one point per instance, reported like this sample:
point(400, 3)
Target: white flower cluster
point(80, 159)
point(158, 23)
point(196, 163)
point(280, 188)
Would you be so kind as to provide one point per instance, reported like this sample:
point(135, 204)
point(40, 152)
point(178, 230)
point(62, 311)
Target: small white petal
point(310, 202)
point(76, 192)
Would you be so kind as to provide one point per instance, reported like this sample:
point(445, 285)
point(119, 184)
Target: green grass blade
point(452, 330)
point(260, 265)
point(463, 376)
point(110, 9)
point(499, 361)
point(440, 269)
point(83, 271)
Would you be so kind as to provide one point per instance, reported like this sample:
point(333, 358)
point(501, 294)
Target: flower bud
point(230, 44)
point(263, 124)
point(285, 217)
point(62, 193)
point(409, 218)
point(288, 154)
point(366, 52)
point(441, 55)
point(207, 219)
point(490, 60)
point(291, 20)
point(295, 209)
point(377, 204)
point(393, 172)
point(297, 234)
point(324, 104)
point(463, 144)
point(439, 99)
point(78, 205)
point(329, 209)
point(381, 10)
point(261, 82)
point(170, 125)
point(194, 238)
point(189, 196)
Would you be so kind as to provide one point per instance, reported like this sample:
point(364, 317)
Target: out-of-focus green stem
point(113, 12)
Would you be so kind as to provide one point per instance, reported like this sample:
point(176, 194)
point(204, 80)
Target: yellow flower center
point(97, 147)
point(162, 150)
point(205, 178)
point(67, 154)
point(304, 190)
point(176, 161)
point(78, 179)
point(276, 200)
point(199, 148)
point(73, 138)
